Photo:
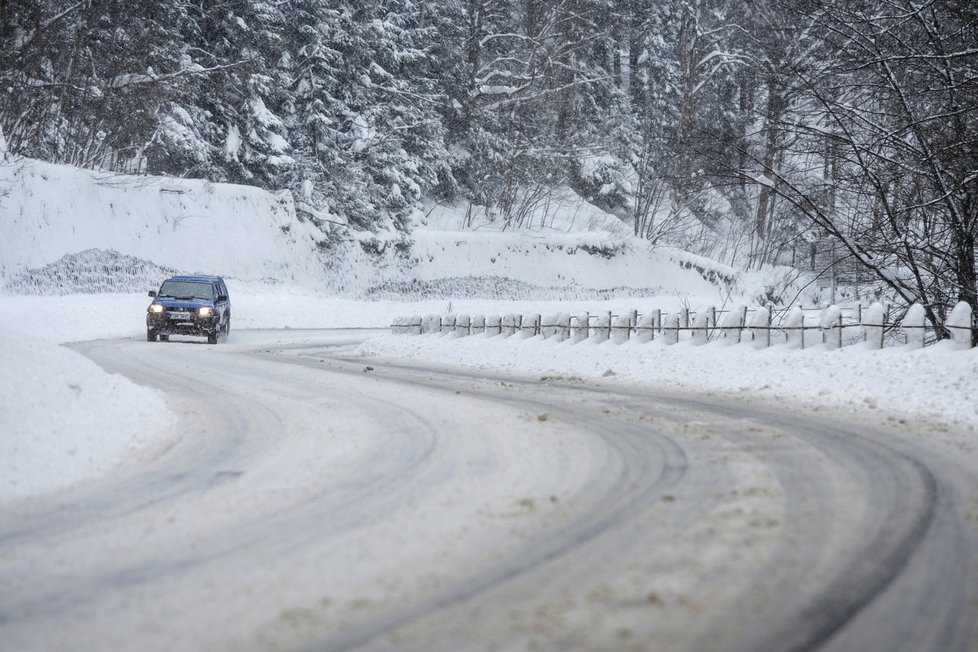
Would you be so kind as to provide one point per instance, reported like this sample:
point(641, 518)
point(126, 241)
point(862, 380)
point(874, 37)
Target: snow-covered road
point(310, 499)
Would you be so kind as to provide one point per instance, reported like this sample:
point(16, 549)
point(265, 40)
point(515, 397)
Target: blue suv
point(189, 305)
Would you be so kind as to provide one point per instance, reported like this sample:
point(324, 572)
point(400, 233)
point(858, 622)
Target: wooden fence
point(832, 327)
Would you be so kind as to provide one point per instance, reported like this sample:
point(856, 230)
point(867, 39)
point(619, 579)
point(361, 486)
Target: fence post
point(602, 328)
point(478, 324)
point(670, 329)
point(448, 324)
point(794, 324)
point(872, 323)
point(579, 327)
point(913, 325)
point(761, 321)
point(830, 320)
point(733, 324)
point(645, 327)
point(563, 326)
point(494, 325)
point(701, 325)
point(959, 323)
point(621, 329)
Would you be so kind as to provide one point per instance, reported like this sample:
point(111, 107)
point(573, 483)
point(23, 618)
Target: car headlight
point(156, 308)
point(205, 312)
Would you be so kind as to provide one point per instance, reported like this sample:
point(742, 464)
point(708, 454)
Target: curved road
point(307, 499)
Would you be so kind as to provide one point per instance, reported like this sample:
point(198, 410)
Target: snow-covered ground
point(62, 418)
point(67, 231)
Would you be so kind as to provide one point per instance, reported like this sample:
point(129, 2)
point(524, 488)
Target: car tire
point(150, 335)
point(212, 338)
point(164, 337)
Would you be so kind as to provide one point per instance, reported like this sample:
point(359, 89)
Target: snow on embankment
point(566, 249)
point(62, 418)
point(938, 382)
point(55, 211)
point(578, 261)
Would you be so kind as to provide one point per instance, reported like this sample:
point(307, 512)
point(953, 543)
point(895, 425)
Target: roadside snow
point(938, 383)
point(62, 418)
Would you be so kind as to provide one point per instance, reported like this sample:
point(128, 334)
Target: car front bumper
point(182, 323)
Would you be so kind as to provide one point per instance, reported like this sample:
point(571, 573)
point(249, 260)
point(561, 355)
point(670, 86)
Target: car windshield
point(187, 290)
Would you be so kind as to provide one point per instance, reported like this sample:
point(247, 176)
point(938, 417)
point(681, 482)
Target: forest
point(818, 133)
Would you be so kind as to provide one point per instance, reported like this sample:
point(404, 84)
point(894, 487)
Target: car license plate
point(179, 315)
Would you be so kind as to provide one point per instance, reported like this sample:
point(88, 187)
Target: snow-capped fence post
point(733, 324)
point(602, 327)
point(670, 329)
point(683, 318)
point(463, 325)
point(621, 328)
point(794, 328)
point(575, 329)
point(494, 325)
point(547, 325)
point(448, 324)
point(506, 325)
point(634, 323)
point(760, 324)
point(873, 322)
point(645, 328)
point(562, 328)
point(914, 325)
point(701, 325)
point(529, 326)
point(959, 324)
point(478, 324)
point(831, 325)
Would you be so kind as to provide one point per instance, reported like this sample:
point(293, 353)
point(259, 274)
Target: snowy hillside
point(133, 227)
point(68, 230)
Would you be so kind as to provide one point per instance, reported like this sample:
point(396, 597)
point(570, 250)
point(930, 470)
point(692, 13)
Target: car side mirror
point(152, 293)
point(222, 297)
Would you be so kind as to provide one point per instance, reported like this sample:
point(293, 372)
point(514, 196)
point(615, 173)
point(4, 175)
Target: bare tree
point(890, 106)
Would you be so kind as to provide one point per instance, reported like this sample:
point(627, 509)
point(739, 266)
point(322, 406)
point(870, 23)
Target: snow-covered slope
point(67, 230)
point(50, 211)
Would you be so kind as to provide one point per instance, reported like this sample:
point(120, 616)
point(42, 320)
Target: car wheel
point(150, 335)
point(212, 338)
point(164, 337)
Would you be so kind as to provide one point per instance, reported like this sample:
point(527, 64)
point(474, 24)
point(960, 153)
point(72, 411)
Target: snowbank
point(188, 225)
point(63, 419)
point(939, 382)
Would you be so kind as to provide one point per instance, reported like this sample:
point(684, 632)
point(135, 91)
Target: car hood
point(192, 304)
